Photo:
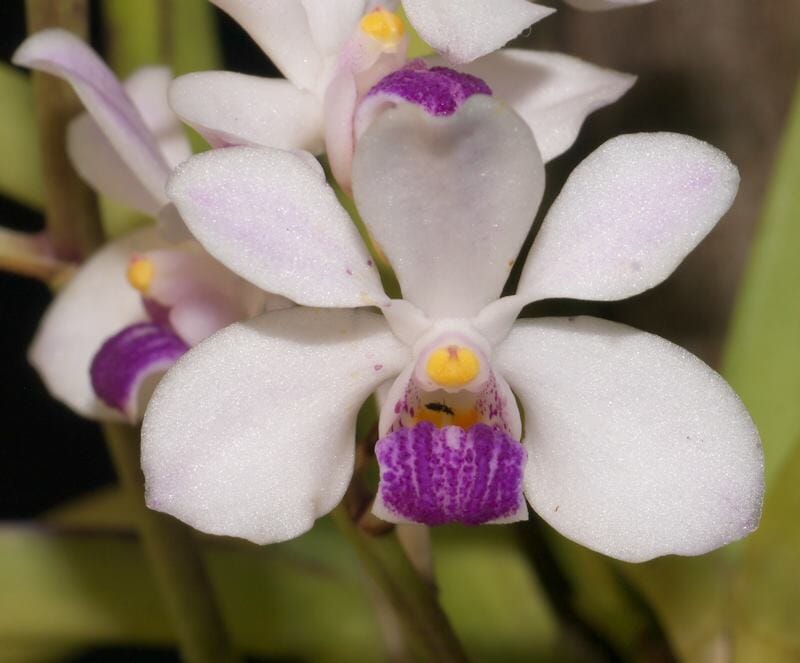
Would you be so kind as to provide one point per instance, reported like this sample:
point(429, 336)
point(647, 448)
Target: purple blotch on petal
point(438, 90)
point(124, 361)
point(435, 475)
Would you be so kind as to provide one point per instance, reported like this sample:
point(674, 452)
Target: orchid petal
point(126, 362)
point(148, 88)
point(332, 23)
point(636, 448)
point(627, 216)
point(602, 5)
point(266, 215)
point(463, 30)
point(251, 434)
point(282, 31)
point(199, 294)
point(236, 109)
point(100, 165)
point(96, 304)
point(98, 162)
point(552, 92)
point(449, 200)
point(62, 54)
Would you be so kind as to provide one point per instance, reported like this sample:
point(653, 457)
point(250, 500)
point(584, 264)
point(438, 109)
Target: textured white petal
point(281, 29)
point(62, 54)
point(266, 215)
point(636, 448)
point(251, 434)
point(602, 5)
point(449, 200)
point(98, 161)
point(148, 88)
point(236, 109)
point(463, 30)
point(552, 92)
point(627, 216)
point(96, 304)
point(99, 164)
point(332, 23)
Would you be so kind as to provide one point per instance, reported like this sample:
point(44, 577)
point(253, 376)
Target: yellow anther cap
point(140, 273)
point(384, 26)
point(453, 366)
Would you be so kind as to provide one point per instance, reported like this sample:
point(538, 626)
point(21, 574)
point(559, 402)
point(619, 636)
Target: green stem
point(73, 223)
point(175, 559)
point(29, 254)
point(428, 631)
point(74, 230)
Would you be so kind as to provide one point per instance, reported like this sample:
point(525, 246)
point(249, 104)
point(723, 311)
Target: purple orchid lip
point(438, 90)
point(435, 475)
point(129, 357)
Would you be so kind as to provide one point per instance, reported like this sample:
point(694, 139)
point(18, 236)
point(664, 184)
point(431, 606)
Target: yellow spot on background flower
point(140, 274)
point(453, 366)
point(384, 26)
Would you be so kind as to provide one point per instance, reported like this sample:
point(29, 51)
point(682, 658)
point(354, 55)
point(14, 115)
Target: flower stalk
point(74, 230)
point(176, 561)
point(427, 629)
point(30, 255)
point(73, 222)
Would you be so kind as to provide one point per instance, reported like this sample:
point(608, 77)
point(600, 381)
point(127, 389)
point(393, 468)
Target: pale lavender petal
point(435, 475)
point(552, 92)
point(128, 358)
point(62, 54)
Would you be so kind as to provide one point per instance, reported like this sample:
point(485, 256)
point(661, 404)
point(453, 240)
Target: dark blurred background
point(720, 70)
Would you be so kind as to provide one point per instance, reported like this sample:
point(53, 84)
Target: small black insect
point(439, 407)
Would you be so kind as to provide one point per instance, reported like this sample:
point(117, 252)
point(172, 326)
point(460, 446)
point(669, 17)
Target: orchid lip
point(127, 359)
point(434, 476)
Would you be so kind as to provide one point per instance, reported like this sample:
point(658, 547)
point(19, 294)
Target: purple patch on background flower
point(439, 90)
point(126, 359)
point(435, 475)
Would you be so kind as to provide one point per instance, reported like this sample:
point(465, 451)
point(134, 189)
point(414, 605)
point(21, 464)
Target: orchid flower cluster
point(257, 292)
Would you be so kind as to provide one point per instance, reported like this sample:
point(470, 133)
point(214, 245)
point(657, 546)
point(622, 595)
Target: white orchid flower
point(332, 52)
point(140, 301)
point(630, 445)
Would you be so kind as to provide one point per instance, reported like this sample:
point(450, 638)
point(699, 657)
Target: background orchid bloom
point(631, 445)
point(332, 53)
point(140, 301)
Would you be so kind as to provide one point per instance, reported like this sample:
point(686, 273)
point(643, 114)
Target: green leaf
point(485, 585)
point(20, 177)
point(72, 590)
point(766, 619)
point(762, 361)
point(493, 599)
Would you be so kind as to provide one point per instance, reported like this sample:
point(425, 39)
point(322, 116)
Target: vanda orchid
point(332, 53)
point(623, 442)
point(140, 301)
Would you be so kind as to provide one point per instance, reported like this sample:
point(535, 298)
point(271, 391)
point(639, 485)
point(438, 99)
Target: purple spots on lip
point(378, 367)
point(438, 475)
point(439, 90)
point(126, 359)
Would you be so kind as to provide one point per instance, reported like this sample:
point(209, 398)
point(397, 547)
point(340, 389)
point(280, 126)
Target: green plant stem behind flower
point(73, 224)
point(74, 230)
